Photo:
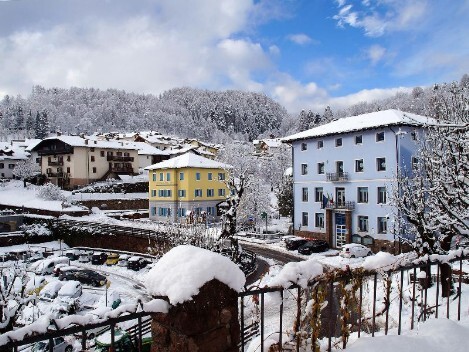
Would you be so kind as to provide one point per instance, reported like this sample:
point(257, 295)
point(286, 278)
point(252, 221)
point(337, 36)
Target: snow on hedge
point(181, 272)
point(382, 260)
point(299, 273)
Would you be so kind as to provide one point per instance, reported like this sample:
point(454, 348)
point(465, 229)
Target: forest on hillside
point(194, 113)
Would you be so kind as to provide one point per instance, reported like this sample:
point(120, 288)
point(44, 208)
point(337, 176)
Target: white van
point(46, 266)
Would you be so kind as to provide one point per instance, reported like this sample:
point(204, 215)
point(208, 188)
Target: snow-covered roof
point(8, 152)
point(77, 141)
point(371, 120)
point(189, 160)
point(272, 143)
point(146, 149)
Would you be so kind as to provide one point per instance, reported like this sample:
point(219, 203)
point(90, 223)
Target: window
point(68, 169)
point(154, 177)
point(164, 193)
point(413, 135)
point(305, 194)
point(210, 192)
point(320, 168)
point(221, 192)
point(381, 164)
point(2, 165)
point(304, 219)
point(320, 144)
point(363, 223)
point(94, 170)
point(304, 146)
point(164, 211)
point(380, 136)
point(168, 176)
point(415, 163)
point(338, 142)
point(198, 193)
point(221, 176)
point(362, 195)
point(153, 211)
point(197, 176)
point(126, 154)
point(339, 166)
point(182, 193)
point(318, 192)
point(161, 176)
point(382, 225)
point(153, 192)
point(68, 158)
point(102, 154)
point(92, 158)
point(181, 176)
point(304, 169)
point(211, 211)
point(119, 153)
point(359, 139)
point(359, 165)
point(181, 212)
point(38, 160)
point(91, 149)
point(210, 176)
point(319, 220)
point(109, 153)
point(381, 195)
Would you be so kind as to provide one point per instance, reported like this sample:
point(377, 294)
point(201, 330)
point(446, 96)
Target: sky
point(305, 54)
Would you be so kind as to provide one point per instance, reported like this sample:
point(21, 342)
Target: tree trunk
point(446, 280)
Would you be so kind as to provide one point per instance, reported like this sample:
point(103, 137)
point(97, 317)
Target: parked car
point(314, 246)
point(112, 259)
point(68, 296)
point(62, 267)
point(294, 243)
point(47, 266)
point(122, 342)
point(50, 291)
point(85, 256)
point(60, 345)
point(35, 284)
point(355, 250)
point(136, 263)
point(73, 254)
point(98, 258)
point(123, 258)
point(85, 276)
point(5, 257)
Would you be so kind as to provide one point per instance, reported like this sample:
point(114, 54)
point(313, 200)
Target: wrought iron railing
point(348, 205)
point(337, 176)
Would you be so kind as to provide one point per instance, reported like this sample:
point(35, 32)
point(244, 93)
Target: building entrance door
point(340, 230)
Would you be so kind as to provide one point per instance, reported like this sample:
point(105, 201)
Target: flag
point(325, 200)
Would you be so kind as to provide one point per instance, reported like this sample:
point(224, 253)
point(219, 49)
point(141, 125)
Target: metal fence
point(345, 302)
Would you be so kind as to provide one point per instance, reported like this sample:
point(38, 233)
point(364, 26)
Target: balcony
point(337, 176)
point(58, 174)
point(55, 163)
point(65, 150)
point(340, 205)
point(121, 169)
point(120, 158)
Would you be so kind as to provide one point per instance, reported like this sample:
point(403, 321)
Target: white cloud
point(383, 16)
point(300, 39)
point(375, 53)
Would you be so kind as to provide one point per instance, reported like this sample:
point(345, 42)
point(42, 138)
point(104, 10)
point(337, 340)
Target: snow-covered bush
point(34, 230)
point(51, 192)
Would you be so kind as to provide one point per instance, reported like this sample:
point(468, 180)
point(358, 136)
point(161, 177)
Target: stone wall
point(116, 204)
point(208, 323)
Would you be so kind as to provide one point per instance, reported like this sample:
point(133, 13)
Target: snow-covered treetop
point(181, 272)
point(189, 160)
point(371, 120)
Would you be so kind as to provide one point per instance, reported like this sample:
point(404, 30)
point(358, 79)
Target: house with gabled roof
point(71, 161)
point(9, 157)
point(187, 188)
point(344, 173)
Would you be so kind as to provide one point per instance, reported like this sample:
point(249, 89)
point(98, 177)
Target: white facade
point(343, 181)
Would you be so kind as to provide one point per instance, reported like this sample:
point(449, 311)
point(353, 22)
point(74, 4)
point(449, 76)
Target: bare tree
point(26, 169)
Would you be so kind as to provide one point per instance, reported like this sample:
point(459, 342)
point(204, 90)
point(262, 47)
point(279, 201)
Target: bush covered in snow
point(34, 230)
point(51, 192)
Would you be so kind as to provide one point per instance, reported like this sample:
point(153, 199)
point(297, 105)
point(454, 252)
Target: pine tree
point(285, 197)
point(42, 125)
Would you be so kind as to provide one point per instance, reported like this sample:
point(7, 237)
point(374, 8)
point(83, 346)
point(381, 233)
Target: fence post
point(209, 322)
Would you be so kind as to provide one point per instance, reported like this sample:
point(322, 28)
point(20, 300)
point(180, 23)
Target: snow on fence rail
point(306, 307)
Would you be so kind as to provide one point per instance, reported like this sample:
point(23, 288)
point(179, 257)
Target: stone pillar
point(207, 323)
point(329, 229)
point(348, 225)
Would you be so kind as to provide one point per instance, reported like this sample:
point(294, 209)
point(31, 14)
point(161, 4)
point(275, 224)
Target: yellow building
point(188, 186)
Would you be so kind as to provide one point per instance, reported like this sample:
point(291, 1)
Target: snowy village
point(210, 199)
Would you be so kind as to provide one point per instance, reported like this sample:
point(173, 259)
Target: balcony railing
point(126, 169)
point(58, 174)
point(120, 158)
point(340, 205)
point(55, 151)
point(55, 163)
point(337, 176)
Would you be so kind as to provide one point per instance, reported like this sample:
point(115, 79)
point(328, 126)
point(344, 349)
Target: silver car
point(60, 345)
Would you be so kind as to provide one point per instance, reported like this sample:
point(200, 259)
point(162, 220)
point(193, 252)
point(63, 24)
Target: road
point(278, 256)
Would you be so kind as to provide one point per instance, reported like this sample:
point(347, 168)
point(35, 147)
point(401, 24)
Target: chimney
point(86, 141)
point(95, 142)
